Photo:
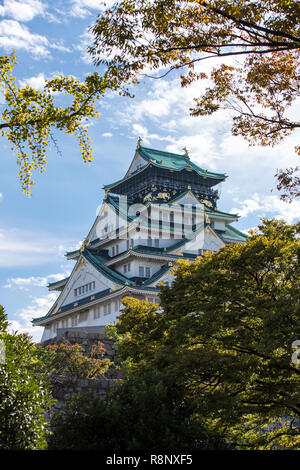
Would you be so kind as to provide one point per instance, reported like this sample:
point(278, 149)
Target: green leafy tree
point(147, 411)
point(133, 35)
point(30, 117)
point(24, 396)
point(225, 334)
point(71, 360)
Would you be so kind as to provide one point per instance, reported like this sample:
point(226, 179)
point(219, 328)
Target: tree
point(125, 420)
point(67, 360)
point(31, 116)
point(225, 334)
point(24, 396)
point(135, 34)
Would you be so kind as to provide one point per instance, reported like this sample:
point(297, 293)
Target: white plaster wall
point(219, 225)
point(137, 163)
point(85, 274)
point(155, 266)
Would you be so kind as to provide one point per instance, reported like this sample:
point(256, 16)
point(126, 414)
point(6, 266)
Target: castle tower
point(163, 210)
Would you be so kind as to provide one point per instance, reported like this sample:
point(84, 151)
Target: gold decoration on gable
point(84, 245)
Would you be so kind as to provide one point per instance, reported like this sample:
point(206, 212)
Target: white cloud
point(38, 307)
point(37, 82)
point(139, 130)
point(85, 41)
point(14, 35)
point(24, 248)
point(22, 10)
point(24, 283)
point(81, 8)
point(107, 134)
point(1, 196)
point(269, 206)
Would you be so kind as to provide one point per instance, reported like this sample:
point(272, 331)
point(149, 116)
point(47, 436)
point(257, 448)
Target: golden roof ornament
point(186, 153)
point(139, 142)
point(85, 243)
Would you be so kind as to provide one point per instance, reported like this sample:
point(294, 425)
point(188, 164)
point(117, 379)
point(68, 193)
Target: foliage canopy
point(24, 396)
point(31, 116)
point(73, 361)
point(133, 35)
point(225, 335)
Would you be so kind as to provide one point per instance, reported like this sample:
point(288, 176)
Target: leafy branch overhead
point(263, 36)
point(30, 116)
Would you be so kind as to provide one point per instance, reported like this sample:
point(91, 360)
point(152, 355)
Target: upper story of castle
point(157, 176)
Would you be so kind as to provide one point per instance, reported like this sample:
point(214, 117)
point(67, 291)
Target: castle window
point(83, 316)
point(85, 288)
point(97, 312)
point(126, 268)
point(107, 309)
point(144, 271)
point(74, 320)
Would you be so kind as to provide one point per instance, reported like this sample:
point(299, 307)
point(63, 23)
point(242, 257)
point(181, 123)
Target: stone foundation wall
point(64, 387)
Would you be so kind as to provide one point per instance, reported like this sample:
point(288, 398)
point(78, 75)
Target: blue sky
point(51, 38)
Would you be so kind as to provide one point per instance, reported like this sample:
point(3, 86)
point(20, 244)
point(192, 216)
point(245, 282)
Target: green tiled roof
point(233, 234)
point(98, 263)
point(164, 269)
point(53, 284)
point(174, 161)
point(87, 300)
point(161, 253)
point(171, 161)
point(217, 212)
